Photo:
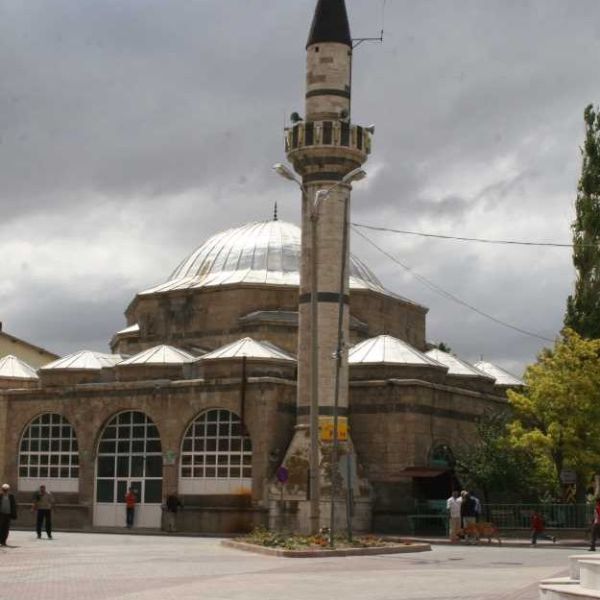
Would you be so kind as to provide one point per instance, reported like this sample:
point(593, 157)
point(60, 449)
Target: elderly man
point(453, 506)
point(8, 512)
point(43, 501)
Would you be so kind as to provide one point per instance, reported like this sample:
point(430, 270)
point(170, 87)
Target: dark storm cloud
point(130, 132)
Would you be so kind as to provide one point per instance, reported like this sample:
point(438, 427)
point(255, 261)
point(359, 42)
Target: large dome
point(267, 253)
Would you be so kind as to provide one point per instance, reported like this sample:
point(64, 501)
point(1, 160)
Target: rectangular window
point(105, 447)
point(345, 134)
point(106, 466)
point(327, 132)
point(122, 466)
point(121, 491)
point(309, 134)
point(123, 447)
point(153, 446)
point(137, 466)
point(153, 466)
point(153, 491)
point(137, 447)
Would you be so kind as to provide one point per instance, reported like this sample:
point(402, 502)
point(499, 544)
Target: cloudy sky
point(131, 131)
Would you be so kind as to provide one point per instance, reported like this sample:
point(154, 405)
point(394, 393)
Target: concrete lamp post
point(321, 195)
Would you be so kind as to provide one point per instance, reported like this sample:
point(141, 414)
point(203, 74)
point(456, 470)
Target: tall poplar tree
point(583, 307)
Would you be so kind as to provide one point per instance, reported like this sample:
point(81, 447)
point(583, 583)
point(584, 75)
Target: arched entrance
point(129, 455)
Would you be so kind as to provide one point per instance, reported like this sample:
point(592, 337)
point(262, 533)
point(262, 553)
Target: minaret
point(323, 149)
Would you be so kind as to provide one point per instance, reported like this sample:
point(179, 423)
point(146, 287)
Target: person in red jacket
point(537, 529)
point(130, 502)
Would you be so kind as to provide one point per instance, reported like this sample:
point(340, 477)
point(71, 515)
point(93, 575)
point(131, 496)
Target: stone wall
point(269, 417)
point(209, 318)
point(395, 424)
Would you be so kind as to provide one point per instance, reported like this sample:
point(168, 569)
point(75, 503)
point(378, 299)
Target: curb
point(326, 553)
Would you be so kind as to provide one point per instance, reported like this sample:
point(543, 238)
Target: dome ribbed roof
point(456, 366)
point(501, 376)
point(12, 367)
point(266, 252)
point(84, 360)
point(250, 349)
point(388, 350)
point(159, 355)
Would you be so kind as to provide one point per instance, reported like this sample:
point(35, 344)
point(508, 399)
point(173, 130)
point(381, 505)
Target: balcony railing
point(327, 133)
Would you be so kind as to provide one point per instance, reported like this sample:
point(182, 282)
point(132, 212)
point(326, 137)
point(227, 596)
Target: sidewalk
point(508, 542)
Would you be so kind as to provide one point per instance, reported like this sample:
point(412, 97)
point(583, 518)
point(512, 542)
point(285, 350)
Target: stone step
point(559, 581)
point(574, 562)
point(567, 592)
point(589, 574)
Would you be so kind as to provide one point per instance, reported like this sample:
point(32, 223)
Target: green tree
point(443, 347)
point(556, 416)
point(583, 307)
point(490, 463)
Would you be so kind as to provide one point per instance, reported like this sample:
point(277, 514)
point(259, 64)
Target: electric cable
point(449, 295)
point(463, 238)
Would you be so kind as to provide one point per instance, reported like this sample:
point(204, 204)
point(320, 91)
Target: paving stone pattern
point(99, 567)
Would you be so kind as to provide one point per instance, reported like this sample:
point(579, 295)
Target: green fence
point(556, 516)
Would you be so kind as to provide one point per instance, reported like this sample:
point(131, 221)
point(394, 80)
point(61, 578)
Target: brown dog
point(480, 530)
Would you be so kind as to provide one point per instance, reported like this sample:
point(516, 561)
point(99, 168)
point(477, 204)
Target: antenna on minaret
point(358, 41)
point(275, 217)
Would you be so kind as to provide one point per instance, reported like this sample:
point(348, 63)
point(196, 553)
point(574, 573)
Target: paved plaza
point(99, 566)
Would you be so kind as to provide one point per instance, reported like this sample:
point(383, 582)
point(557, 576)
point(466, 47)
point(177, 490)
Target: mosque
point(217, 385)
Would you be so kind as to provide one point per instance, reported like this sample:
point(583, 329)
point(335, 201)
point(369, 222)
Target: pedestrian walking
point(453, 507)
point(537, 529)
point(595, 526)
point(8, 512)
point(477, 506)
point(468, 516)
point(43, 501)
point(172, 506)
point(130, 502)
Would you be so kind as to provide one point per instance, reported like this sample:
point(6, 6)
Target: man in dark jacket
point(8, 512)
point(172, 506)
point(468, 516)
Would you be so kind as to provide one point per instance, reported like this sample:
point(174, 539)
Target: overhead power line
point(462, 238)
point(449, 295)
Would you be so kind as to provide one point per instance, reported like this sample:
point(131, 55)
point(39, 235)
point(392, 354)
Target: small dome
point(501, 376)
point(12, 367)
point(388, 350)
point(84, 360)
point(455, 365)
point(267, 252)
point(159, 355)
point(249, 348)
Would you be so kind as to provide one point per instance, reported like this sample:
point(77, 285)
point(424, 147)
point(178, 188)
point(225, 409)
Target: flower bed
point(279, 544)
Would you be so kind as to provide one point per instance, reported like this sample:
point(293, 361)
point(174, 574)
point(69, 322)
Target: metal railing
point(515, 516)
point(556, 516)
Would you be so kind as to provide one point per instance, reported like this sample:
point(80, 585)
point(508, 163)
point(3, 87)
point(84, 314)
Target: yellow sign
point(326, 429)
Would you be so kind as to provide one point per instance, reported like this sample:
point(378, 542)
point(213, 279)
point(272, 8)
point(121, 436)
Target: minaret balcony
point(328, 134)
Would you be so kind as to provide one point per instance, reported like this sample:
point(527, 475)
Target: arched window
point(216, 455)
point(49, 454)
point(441, 456)
point(129, 455)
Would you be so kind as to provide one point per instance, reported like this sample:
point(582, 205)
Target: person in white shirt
point(453, 505)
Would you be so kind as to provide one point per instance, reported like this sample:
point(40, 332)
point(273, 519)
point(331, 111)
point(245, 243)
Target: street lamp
point(354, 175)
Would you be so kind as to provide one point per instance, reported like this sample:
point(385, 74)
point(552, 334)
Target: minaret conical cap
point(330, 23)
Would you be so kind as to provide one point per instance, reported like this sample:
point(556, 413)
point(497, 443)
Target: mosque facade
point(207, 390)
